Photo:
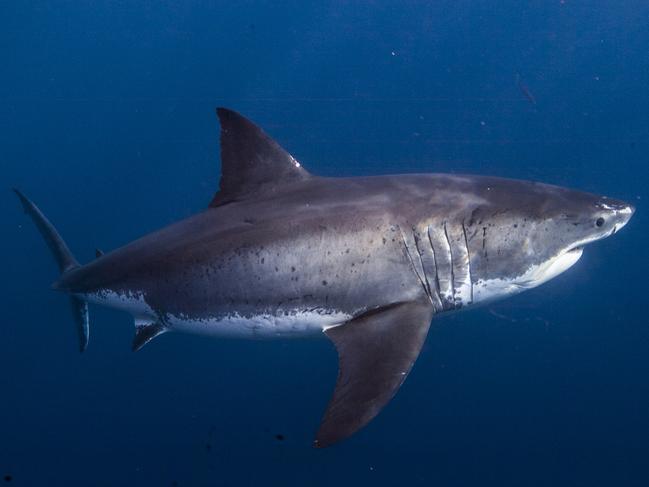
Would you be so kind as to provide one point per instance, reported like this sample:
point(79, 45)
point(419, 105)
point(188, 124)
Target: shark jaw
point(489, 290)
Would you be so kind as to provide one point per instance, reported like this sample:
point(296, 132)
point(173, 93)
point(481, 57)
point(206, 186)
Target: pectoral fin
point(375, 353)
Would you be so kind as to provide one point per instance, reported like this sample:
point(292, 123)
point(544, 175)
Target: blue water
point(107, 121)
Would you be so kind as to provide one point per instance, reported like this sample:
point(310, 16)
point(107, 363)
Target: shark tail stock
point(65, 261)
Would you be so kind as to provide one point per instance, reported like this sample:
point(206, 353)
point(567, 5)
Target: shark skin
point(366, 261)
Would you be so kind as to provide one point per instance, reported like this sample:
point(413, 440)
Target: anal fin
point(376, 351)
point(145, 331)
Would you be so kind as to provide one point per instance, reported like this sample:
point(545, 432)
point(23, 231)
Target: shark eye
point(599, 222)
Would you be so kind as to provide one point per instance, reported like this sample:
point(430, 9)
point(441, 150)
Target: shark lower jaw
point(567, 259)
point(495, 289)
point(550, 269)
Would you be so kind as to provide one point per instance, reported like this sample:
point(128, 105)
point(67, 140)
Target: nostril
point(599, 222)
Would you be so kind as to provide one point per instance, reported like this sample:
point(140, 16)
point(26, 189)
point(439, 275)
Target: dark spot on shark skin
point(279, 437)
point(8, 478)
point(324, 283)
point(292, 269)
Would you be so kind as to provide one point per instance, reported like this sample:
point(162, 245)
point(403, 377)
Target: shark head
point(528, 233)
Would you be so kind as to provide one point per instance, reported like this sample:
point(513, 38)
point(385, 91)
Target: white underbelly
point(293, 324)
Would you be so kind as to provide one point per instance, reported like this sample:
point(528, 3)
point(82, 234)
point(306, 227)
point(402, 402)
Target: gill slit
point(432, 248)
point(412, 263)
point(450, 254)
point(468, 260)
point(436, 293)
point(423, 269)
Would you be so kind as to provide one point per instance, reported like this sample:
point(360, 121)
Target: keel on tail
point(65, 261)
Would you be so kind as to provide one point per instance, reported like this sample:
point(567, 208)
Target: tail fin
point(64, 259)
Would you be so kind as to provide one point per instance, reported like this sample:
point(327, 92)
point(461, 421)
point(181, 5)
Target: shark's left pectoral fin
point(145, 331)
point(375, 353)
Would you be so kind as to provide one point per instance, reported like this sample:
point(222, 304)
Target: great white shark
point(366, 261)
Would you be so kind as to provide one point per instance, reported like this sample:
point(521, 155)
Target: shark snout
point(614, 214)
point(621, 216)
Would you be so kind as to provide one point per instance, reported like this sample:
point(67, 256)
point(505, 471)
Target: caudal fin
point(65, 261)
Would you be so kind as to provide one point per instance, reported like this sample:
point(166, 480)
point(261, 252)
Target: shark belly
point(282, 323)
point(296, 323)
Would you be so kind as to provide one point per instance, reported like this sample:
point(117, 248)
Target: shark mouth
point(558, 265)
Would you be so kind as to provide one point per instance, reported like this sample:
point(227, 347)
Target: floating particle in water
point(279, 437)
point(525, 90)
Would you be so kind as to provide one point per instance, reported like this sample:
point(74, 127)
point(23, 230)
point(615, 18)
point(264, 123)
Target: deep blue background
point(107, 122)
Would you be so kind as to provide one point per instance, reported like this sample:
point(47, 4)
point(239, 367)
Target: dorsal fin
point(251, 162)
